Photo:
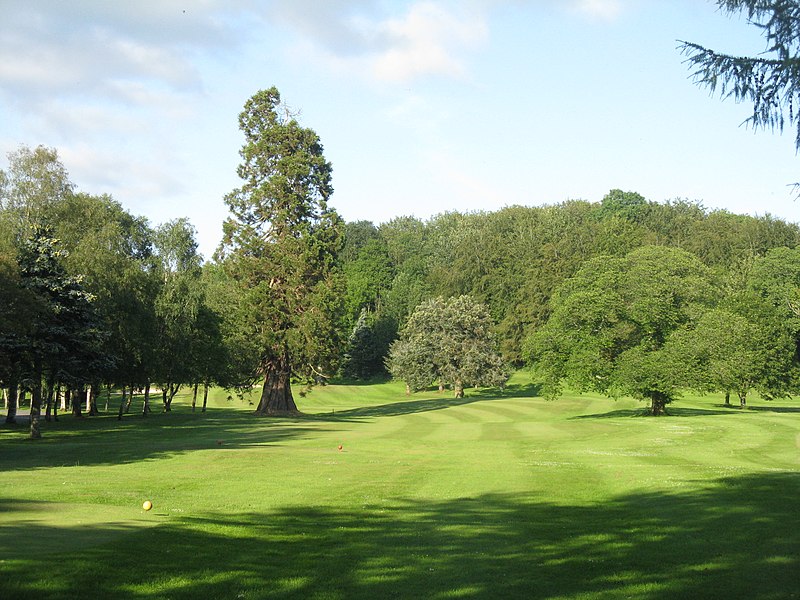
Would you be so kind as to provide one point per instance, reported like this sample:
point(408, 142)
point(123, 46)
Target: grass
point(489, 496)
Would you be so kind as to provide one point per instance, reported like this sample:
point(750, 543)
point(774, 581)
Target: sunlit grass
point(493, 495)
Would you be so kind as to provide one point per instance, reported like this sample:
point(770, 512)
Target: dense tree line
point(622, 296)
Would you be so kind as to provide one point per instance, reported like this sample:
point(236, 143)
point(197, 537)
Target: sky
point(422, 106)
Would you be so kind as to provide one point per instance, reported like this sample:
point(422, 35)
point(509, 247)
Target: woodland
point(625, 296)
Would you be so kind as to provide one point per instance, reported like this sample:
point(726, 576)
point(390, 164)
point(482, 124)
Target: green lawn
point(490, 496)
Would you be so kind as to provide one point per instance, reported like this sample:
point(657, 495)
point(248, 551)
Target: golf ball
point(147, 505)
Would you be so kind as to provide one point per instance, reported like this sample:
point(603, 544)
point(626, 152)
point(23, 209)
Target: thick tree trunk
point(658, 404)
point(728, 398)
point(165, 398)
point(276, 395)
point(458, 386)
point(742, 399)
point(194, 396)
point(205, 396)
point(11, 402)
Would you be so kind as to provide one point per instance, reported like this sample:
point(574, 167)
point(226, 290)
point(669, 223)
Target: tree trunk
point(408, 390)
point(78, 399)
point(36, 401)
point(165, 397)
point(276, 395)
point(742, 399)
point(91, 401)
point(130, 399)
point(728, 398)
point(67, 398)
point(146, 406)
point(458, 386)
point(48, 394)
point(194, 396)
point(57, 394)
point(123, 403)
point(205, 396)
point(658, 404)
point(108, 396)
point(11, 402)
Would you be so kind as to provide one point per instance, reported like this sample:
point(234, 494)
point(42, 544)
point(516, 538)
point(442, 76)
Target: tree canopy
point(280, 246)
point(449, 341)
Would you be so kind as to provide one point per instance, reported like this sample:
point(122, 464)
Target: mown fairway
point(490, 496)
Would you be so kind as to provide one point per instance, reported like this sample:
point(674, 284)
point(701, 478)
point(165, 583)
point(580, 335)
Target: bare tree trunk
point(194, 396)
point(276, 395)
point(11, 402)
point(205, 396)
point(458, 385)
point(728, 398)
point(742, 399)
point(108, 396)
point(67, 398)
point(57, 393)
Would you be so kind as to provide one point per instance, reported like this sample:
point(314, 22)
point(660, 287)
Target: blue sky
point(423, 106)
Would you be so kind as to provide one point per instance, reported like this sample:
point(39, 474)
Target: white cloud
point(606, 10)
point(429, 39)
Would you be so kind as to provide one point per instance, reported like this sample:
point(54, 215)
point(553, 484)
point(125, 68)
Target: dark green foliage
point(280, 246)
point(368, 346)
point(770, 81)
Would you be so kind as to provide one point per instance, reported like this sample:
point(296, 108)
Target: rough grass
point(489, 496)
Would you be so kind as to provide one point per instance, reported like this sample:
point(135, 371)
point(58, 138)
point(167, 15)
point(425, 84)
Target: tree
point(65, 344)
point(770, 81)
point(611, 321)
point(449, 341)
point(727, 352)
point(280, 245)
point(177, 306)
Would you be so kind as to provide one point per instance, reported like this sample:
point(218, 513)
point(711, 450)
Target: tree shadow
point(672, 411)
point(137, 438)
point(775, 409)
point(734, 538)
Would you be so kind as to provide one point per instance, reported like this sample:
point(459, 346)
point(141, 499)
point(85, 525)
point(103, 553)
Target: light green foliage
point(450, 342)
point(610, 323)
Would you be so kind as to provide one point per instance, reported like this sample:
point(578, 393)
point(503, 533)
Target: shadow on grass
point(672, 411)
point(735, 538)
point(105, 440)
point(433, 400)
